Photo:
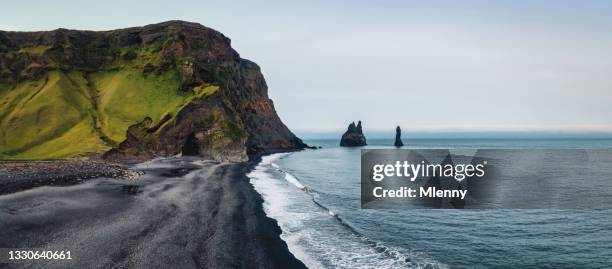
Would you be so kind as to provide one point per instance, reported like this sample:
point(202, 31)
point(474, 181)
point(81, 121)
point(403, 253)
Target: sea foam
point(315, 234)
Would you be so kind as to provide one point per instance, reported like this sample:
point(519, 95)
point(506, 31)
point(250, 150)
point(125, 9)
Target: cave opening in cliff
point(191, 146)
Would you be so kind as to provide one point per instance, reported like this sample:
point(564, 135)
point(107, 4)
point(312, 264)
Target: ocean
point(315, 197)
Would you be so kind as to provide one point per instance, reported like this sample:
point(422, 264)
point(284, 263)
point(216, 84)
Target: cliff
point(136, 93)
point(353, 137)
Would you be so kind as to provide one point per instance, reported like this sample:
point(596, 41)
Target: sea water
point(315, 197)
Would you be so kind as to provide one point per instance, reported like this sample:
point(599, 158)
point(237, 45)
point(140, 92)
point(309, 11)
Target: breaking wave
point(318, 236)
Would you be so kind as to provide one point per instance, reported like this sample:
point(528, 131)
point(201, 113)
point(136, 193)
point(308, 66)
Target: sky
point(428, 66)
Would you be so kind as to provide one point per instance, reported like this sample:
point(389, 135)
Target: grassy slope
point(37, 50)
point(67, 114)
point(126, 97)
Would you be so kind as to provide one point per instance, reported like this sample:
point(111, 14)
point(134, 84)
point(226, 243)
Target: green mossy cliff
point(136, 93)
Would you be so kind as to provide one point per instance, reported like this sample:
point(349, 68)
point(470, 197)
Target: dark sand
point(178, 215)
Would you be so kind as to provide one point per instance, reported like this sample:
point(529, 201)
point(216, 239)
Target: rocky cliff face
point(353, 137)
point(158, 90)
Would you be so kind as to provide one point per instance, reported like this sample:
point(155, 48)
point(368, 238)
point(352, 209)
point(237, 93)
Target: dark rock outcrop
point(353, 137)
point(232, 123)
point(398, 137)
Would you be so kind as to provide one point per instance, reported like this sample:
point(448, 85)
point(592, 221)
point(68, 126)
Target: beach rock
point(398, 137)
point(353, 137)
point(19, 176)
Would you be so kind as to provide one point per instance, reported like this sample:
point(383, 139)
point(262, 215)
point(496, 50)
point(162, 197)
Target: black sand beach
point(180, 214)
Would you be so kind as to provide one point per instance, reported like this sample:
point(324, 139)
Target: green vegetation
point(96, 90)
point(48, 118)
point(205, 90)
point(37, 50)
point(66, 114)
point(221, 132)
point(126, 97)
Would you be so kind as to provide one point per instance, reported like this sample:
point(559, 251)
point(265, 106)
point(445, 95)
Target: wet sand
point(180, 214)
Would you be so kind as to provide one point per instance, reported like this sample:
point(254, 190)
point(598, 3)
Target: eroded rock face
point(398, 137)
point(229, 124)
point(204, 128)
point(238, 121)
point(353, 137)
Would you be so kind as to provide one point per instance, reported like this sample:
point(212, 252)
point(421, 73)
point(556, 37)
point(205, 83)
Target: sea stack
point(398, 137)
point(353, 137)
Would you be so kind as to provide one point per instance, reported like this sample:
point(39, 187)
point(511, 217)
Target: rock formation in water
point(143, 92)
point(353, 137)
point(398, 137)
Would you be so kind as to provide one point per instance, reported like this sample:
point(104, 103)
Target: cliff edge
point(138, 93)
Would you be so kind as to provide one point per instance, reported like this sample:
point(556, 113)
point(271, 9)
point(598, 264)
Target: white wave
point(293, 180)
point(269, 159)
point(314, 234)
point(277, 199)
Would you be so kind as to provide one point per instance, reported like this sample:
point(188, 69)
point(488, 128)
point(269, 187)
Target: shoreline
point(198, 214)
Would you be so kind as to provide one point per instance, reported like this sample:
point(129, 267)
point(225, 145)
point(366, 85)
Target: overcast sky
point(427, 65)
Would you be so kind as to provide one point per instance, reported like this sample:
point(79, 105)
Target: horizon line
point(518, 134)
point(584, 129)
